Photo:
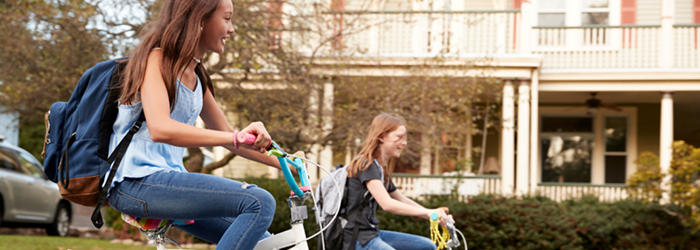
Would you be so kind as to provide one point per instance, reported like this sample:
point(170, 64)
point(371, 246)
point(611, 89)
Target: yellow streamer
point(435, 236)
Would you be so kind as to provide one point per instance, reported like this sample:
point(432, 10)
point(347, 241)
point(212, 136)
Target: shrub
point(495, 222)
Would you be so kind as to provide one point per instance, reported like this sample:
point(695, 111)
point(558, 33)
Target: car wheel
point(61, 224)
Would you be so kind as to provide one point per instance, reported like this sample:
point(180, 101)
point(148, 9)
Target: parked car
point(27, 197)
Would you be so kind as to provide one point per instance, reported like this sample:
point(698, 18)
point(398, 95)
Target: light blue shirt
point(144, 156)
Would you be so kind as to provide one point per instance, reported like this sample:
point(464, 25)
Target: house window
point(450, 154)
point(615, 149)
point(551, 13)
point(595, 12)
point(567, 148)
point(556, 13)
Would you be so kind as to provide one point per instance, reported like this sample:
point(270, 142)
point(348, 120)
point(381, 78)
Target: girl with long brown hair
point(370, 173)
point(164, 78)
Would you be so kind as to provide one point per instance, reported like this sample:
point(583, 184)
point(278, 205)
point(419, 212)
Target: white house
point(593, 83)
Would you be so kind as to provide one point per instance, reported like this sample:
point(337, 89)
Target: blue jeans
point(224, 211)
point(390, 240)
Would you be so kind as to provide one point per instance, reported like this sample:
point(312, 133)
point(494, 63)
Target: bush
point(683, 180)
point(495, 222)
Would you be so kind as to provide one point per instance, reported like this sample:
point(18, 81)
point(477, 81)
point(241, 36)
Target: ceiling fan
point(594, 104)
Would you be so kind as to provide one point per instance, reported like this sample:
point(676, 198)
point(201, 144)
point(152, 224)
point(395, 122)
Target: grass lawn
point(58, 243)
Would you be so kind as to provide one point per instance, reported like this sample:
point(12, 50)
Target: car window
point(8, 159)
point(29, 166)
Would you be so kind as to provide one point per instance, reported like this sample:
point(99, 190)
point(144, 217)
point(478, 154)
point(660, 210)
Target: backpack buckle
point(135, 128)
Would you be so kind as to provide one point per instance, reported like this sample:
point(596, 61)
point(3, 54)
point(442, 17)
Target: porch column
point(666, 153)
point(534, 132)
point(312, 133)
point(468, 142)
point(425, 155)
point(527, 10)
point(523, 160)
point(507, 140)
point(326, 157)
point(667, 42)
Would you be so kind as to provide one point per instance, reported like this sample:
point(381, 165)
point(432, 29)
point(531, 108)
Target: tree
point(646, 183)
point(268, 73)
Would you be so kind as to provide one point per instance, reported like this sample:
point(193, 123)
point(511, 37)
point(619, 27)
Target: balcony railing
point(429, 32)
point(485, 33)
point(687, 54)
point(567, 191)
point(414, 186)
point(598, 46)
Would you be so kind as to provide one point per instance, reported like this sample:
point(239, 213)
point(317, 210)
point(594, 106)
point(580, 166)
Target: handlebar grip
point(246, 138)
point(249, 139)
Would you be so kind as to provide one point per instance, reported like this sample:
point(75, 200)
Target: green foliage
point(494, 222)
point(646, 183)
point(31, 137)
point(685, 189)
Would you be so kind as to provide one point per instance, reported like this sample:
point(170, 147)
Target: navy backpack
point(76, 146)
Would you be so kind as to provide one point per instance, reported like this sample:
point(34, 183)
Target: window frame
point(584, 135)
point(573, 32)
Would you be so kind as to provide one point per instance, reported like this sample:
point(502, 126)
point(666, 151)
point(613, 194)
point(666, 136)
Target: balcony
point(414, 186)
point(499, 33)
point(426, 33)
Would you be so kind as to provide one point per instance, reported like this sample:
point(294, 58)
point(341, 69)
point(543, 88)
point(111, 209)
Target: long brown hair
point(176, 31)
point(381, 126)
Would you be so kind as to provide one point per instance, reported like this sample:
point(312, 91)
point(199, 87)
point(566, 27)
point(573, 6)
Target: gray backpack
point(327, 203)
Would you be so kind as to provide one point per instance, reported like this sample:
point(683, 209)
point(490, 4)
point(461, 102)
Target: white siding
point(649, 12)
point(509, 4)
point(479, 4)
point(397, 4)
point(684, 12)
point(9, 127)
point(357, 4)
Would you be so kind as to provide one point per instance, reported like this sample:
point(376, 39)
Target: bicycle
point(295, 237)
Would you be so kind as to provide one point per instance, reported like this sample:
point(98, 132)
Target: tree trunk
point(218, 164)
point(195, 161)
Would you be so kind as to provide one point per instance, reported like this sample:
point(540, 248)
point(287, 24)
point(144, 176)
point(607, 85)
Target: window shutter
point(337, 42)
point(628, 16)
point(696, 11)
point(629, 12)
point(274, 24)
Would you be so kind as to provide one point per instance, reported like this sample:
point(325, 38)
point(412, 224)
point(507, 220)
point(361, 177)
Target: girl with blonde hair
point(370, 173)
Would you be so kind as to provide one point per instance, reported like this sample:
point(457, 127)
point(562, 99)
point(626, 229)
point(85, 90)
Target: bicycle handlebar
point(453, 241)
point(284, 159)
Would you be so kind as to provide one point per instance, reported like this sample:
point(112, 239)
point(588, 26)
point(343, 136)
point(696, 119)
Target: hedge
point(494, 222)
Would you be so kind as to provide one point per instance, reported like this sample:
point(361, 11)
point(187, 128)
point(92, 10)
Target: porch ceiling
point(617, 97)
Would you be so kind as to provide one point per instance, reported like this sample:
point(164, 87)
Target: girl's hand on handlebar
point(263, 138)
point(444, 218)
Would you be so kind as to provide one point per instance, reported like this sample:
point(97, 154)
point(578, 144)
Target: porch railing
point(598, 46)
point(414, 186)
point(566, 191)
point(428, 32)
point(687, 54)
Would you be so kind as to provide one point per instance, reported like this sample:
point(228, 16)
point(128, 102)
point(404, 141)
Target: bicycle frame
point(296, 235)
point(296, 204)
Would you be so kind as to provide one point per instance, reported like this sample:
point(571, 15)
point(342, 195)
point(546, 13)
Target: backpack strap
point(115, 158)
point(356, 216)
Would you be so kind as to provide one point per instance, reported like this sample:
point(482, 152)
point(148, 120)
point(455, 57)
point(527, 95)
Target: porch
point(414, 186)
